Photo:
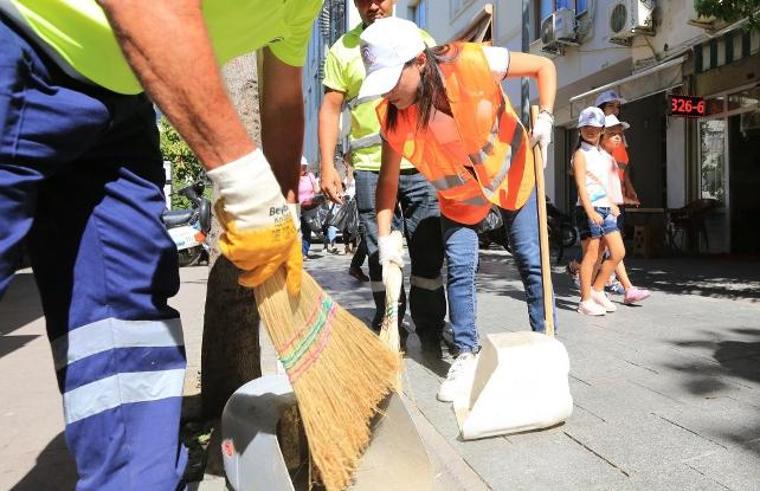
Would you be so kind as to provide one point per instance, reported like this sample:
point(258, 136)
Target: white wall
point(676, 162)
point(673, 35)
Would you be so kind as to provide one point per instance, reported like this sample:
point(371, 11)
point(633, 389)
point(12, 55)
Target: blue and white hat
point(609, 96)
point(591, 116)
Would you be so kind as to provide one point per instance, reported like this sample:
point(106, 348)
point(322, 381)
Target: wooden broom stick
point(543, 233)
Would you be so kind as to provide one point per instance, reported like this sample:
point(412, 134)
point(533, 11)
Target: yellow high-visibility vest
point(76, 33)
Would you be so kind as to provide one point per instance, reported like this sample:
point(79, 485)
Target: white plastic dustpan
point(521, 380)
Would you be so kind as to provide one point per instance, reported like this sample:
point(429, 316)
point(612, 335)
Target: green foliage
point(731, 10)
point(185, 165)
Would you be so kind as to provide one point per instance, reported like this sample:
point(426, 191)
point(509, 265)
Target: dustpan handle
point(543, 233)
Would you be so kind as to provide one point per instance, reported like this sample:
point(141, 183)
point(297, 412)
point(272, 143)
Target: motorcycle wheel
point(190, 257)
point(502, 238)
point(569, 236)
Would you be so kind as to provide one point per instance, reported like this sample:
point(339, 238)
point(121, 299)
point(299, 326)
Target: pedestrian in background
point(307, 192)
point(420, 220)
point(610, 103)
point(613, 138)
point(444, 110)
point(595, 173)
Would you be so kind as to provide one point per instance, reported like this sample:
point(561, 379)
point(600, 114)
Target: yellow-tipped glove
point(260, 233)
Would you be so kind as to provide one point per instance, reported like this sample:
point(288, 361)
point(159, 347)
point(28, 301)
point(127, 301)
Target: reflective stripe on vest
point(366, 142)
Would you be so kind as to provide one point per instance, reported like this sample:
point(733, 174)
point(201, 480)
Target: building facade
point(648, 51)
point(332, 23)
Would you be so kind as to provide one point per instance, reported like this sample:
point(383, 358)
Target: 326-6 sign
point(681, 105)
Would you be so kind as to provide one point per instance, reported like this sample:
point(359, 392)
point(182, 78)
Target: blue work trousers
point(461, 246)
point(420, 221)
point(81, 182)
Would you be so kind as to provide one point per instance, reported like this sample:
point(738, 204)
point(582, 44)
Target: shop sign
point(693, 107)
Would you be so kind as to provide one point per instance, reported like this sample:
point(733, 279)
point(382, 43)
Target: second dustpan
point(521, 380)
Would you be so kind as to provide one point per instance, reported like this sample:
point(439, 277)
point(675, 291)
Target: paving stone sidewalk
point(667, 395)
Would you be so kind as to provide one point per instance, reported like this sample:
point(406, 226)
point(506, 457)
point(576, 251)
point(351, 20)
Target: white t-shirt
point(443, 126)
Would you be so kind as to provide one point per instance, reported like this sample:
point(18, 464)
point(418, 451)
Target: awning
point(480, 28)
point(663, 77)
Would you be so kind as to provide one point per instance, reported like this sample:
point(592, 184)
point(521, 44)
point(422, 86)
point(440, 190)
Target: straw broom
point(393, 277)
point(340, 372)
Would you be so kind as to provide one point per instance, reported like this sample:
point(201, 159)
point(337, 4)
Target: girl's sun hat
point(612, 120)
point(591, 116)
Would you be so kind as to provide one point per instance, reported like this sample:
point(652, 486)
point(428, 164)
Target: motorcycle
point(189, 228)
point(562, 231)
point(492, 230)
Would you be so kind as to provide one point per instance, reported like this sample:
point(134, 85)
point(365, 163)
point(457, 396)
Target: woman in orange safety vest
point(444, 110)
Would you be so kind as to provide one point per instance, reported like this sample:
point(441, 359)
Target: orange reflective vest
point(500, 166)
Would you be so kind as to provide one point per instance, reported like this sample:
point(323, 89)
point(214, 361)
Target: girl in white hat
point(613, 139)
point(595, 173)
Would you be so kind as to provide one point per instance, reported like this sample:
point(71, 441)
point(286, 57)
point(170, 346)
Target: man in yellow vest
point(344, 73)
point(81, 182)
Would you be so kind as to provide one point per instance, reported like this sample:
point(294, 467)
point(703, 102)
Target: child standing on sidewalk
point(598, 190)
point(611, 142)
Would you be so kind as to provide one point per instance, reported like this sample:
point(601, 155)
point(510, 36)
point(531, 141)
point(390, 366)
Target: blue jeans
point(422, 226)
point(590, 230)
point(81, 181)
point(331, 235)
point(461, 246)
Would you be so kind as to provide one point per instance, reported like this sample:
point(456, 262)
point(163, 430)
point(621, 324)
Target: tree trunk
point(231, 354)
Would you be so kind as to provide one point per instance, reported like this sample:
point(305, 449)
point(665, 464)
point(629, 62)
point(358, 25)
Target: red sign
point(681, 105)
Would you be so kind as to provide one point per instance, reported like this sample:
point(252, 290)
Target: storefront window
point(713, 159)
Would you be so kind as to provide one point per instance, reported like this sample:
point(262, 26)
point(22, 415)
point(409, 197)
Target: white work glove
point(542, 133)
point(390, 252)
point(260, 230)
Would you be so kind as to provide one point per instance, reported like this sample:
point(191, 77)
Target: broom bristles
point(340, 372)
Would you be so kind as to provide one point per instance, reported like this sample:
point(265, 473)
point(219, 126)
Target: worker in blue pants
point(81, 180)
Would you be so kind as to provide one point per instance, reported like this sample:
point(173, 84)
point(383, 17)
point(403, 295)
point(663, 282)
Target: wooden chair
point(688, 223)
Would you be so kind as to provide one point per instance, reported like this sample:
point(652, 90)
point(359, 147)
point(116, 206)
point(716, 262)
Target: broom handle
point(543, 233)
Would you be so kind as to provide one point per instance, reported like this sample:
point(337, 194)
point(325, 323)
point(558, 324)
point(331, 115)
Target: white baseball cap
point(591, 116)
point(612, 120)
point(609, 96)
point(386, 46)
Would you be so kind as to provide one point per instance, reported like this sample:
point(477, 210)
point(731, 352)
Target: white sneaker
point(459, 379)
point(601, 299)
point(589, 307)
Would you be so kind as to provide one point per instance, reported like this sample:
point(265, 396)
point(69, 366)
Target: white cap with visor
point(386, 46)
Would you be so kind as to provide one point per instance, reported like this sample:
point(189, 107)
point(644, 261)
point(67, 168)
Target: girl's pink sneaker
point(634, 295)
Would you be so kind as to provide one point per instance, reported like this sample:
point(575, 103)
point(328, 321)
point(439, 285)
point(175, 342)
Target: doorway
point(744, 181)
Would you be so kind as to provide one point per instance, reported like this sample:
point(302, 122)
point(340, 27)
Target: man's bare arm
point(329, 119)
point(168, 47)
point(282, 122)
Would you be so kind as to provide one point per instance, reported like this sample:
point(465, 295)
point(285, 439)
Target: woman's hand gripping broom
point(340, 372)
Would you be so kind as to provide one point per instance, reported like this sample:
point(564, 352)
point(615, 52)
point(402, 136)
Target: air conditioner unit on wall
point(629, 18)
point(558, 30)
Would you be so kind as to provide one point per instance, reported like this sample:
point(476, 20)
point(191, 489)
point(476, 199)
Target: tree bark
point(230, 354)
